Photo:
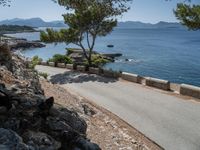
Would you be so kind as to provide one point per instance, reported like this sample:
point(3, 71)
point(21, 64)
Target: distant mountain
point(141, 25)
point(33, 22)
point(38, 22)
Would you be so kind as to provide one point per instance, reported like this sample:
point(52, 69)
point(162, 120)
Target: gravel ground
point(104, 128)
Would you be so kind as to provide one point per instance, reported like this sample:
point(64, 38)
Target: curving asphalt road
point(172, 122)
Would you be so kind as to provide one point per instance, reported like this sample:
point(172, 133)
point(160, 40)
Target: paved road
point(170, 121)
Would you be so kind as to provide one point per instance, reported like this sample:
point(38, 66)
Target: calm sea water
point(171, 54)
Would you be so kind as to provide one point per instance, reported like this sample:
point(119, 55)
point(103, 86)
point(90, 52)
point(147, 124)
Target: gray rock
point(10, 140)
point(3, 110)
point(40, 141)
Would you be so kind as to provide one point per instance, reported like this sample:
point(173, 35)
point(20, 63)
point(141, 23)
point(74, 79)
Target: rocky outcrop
point(29, 120)
point(77, 55)
point(16, 43)
point(25, 45)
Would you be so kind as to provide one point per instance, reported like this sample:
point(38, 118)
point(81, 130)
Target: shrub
point(45, 75)
point(58, 58)
point(69, 51)
point(98, 60)
point(35, 61)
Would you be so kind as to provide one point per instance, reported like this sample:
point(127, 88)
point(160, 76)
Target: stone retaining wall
point(94, 70)
point(130, 77)
point(110, 73)
point(70, 66)
point(190, 90)
point(182, 89)
point(52, 64)
point(158, 83)
point(81, 68)
point(61, 65)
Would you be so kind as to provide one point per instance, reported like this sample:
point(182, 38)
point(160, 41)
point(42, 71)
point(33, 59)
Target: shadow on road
point(77, 77)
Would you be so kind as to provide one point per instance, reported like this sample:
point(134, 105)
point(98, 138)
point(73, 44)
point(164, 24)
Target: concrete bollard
point(52, 64)
point(190, 90)
point(130, 77)
point(94, 70)
point(61, 65)
point(70, 66)
point(158, 83)
point(81, 68)
point(44, 63)
point(110, 73)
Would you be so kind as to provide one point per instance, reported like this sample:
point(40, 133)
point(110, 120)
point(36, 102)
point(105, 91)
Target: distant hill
point(141, 25)
point(5, 29)
point(33, 22)
point(38, 22)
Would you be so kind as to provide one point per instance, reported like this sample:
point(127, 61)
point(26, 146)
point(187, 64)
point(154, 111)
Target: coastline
point(20, 43)
point(159, 59)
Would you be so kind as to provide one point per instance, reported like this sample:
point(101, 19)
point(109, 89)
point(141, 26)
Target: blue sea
point(171, 54)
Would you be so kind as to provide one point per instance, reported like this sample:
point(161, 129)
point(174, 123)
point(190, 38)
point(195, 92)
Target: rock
point(3, 110)
point(26, 113)
point(23, 44)
point(40, 141)
point(10, 140)
point(84, 144)
point(5, 100)
point(88, 111)
point(110, 46)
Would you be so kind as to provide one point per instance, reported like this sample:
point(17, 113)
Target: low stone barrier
point(130, 77)
point(80, 68)
point(52, 64)
point(61, 65)
point(110, 73)
point(190, 90)
point(94, 70)
point(44, 63)
point(70, 66)
point(158, 83)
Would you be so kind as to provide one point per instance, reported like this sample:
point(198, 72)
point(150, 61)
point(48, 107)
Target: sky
point(148, 11)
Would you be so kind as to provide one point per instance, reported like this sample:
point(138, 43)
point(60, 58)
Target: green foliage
point(97, 61)
point(14, 28)
point(87, 19)
point(69, 51)
point(5, 2)
point(35, 61)
point(189, 15)
point(44, 75)
point(58, 58)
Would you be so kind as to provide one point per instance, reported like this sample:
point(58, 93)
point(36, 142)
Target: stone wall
point(148, 81)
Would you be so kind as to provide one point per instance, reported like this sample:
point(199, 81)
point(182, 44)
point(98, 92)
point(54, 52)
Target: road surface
point(171, 121)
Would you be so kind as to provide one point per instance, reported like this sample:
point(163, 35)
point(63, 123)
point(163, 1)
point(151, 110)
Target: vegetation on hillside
point(58, 58)
point(14, 28)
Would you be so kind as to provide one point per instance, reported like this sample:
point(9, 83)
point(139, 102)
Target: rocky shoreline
point(21, 44)
point(29, 120)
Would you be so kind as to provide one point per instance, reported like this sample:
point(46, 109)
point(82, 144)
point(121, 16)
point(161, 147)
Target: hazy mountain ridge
point(33, 22)
point(141, 25)
point(38, 22)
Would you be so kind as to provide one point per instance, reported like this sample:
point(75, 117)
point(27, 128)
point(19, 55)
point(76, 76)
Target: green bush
point(45, 75)
point(98, 60)
point(58, 58)
point(35, 61)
